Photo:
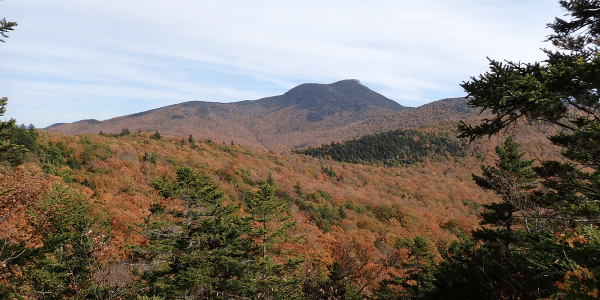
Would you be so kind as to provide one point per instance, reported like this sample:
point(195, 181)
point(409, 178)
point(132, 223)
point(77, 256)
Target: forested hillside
point(393, 148)
point(120, 190)
point(512, 215)
point(124, 200)
point(307, 115)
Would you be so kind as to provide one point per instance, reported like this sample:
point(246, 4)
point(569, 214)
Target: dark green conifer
point(561, 90)
point(275, 275)
point(209, 249)
point(512, 179)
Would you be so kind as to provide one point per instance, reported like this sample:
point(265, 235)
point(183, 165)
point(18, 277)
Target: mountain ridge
point(307, 115)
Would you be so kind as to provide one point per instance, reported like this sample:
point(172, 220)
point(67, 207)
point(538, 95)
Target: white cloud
point(95, 58)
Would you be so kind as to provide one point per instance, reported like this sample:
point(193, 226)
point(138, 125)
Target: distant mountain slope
point(307, 115)
point(393, 148)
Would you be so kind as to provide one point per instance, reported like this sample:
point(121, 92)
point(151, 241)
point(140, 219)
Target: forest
point(392, 148)
point(513, 214)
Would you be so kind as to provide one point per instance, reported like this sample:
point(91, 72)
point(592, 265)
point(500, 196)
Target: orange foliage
point(26, 185)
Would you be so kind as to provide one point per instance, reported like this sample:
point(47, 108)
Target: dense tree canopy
point(392, 148)
point(562, 90)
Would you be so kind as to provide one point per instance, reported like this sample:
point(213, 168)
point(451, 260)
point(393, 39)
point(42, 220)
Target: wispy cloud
point(69, 60)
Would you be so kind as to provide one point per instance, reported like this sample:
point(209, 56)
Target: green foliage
point(12, 138)
point(74, 163)
point(208, 249)
point(387, 212)
point(156, 136)
point(399, 147)
point(150, 157)
point(271, 226)
point(512, 179)
point(93, 152)
point(524, 260)
point(63, 173)
point(6, 26)
point(192, 142)
point(562, 91)
point(72, 244)
point(336, 285)
point(329, 171)
point(26, 136)
point(124, 132)
point(420, 268)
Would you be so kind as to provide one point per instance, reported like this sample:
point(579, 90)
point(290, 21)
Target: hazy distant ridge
point(308, 114)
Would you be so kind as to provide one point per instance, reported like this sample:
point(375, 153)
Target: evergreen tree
point(61, 266)
point(512, 179)
point(192, 142)
point(72, 245)
point(562, 90)
point(418, 280)
point(274, 279)
point(209, 249)
point(9, 150)
point(195, 252)
point(7, 147)
point(5, 27)
point(420, 266)
point(336, 285)
point(125, 131)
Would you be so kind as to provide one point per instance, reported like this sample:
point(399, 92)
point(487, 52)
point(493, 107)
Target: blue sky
point(69, 60)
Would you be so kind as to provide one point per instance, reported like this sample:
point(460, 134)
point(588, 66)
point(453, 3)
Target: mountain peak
point(350, 81)
point(348, 94)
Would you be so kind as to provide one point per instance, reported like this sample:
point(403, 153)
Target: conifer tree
point(192, 142)
point(199, 251)
point(5, 127)
point(5, 27)
point(209, 249)
point(512, 179)
point(421, 266)
point(418, 279)
point(8, 148)
point(275, 273)
point(71, 242)
point(561, 90)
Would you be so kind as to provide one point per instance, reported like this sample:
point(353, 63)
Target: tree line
point(392, 148)
point(541, 240)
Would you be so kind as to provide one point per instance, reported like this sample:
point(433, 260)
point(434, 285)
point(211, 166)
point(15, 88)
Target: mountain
point(307, 115)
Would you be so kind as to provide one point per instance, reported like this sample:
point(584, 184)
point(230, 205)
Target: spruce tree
point(562, 90)
point(420, 267)
point(210, 249)
point(512, 179)
point(199, 251)
point(275, 273)
point(6, 146)
point(5, 27)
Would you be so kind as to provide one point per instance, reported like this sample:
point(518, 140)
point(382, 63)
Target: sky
point(69, 60)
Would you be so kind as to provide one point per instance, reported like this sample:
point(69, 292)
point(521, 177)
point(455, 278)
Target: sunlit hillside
point(354, 215)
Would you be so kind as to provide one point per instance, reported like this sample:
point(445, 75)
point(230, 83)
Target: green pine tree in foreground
point(512, 179)
point(552, 251)
point(208, 249)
